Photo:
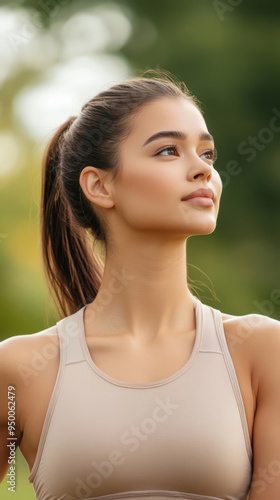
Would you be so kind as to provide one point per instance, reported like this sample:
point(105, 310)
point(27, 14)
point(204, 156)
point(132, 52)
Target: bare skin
point(147, 330)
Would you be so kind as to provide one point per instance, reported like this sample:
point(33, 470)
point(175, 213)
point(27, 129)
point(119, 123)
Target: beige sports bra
point(181, 437)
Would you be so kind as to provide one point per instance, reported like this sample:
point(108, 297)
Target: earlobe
point(94, 183)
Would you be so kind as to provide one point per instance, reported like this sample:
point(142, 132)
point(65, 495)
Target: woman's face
point(166, 158)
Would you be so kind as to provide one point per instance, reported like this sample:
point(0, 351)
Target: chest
point(165, 437)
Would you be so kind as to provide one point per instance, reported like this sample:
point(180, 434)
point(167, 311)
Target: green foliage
point(23, 489)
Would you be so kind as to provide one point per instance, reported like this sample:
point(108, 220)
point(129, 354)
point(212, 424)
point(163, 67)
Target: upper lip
point(200, 193)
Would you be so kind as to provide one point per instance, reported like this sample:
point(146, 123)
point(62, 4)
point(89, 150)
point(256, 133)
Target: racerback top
point(183, 437)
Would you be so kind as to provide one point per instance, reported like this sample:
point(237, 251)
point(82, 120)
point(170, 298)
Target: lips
point(200, 193)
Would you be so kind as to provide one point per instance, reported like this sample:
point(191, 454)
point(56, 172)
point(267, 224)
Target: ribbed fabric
point(184, 436)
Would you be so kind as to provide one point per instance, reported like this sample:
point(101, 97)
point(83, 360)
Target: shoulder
point(256, 339)
point(251, 329)
point(24, 353)
point(27, 363)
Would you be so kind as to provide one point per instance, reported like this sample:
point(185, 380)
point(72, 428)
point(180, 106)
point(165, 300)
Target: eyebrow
point(181, 136)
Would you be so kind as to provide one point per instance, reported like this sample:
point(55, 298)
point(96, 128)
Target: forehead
point(167, 114)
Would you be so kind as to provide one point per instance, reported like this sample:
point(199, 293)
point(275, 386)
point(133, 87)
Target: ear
point(95, 184)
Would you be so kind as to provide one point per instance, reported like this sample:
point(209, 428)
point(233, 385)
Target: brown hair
point(69, 224)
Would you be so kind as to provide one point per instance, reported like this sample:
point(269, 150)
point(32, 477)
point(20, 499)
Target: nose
point(200, 170)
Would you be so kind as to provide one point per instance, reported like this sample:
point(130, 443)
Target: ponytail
point(73, 271)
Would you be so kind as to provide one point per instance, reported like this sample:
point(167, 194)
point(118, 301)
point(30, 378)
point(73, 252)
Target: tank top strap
point(213, 339)
point(207, 319)
point(70, 330)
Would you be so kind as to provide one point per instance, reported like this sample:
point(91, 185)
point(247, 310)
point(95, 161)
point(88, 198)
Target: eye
point(168, 151)
point(210, 154)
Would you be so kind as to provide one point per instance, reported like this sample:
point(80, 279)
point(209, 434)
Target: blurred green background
point(56, 54)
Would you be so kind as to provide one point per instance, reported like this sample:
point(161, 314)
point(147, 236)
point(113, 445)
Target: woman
point(141, 391)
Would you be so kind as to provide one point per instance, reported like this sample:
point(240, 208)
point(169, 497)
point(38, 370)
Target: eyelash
point(213, 155)
point(211, 152)
point(166, 148)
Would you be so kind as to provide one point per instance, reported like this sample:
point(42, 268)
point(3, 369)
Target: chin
point(199, 221)
point(205, 227)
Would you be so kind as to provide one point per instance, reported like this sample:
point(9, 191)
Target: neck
point(144, 290)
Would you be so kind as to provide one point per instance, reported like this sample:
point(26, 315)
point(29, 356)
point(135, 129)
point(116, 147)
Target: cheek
point(217, 179)
point(141, 196)
point(148, 187)
point(218, 183)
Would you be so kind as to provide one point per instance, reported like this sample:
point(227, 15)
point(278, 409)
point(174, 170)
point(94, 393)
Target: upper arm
point(9, 422)
point(266, 432)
